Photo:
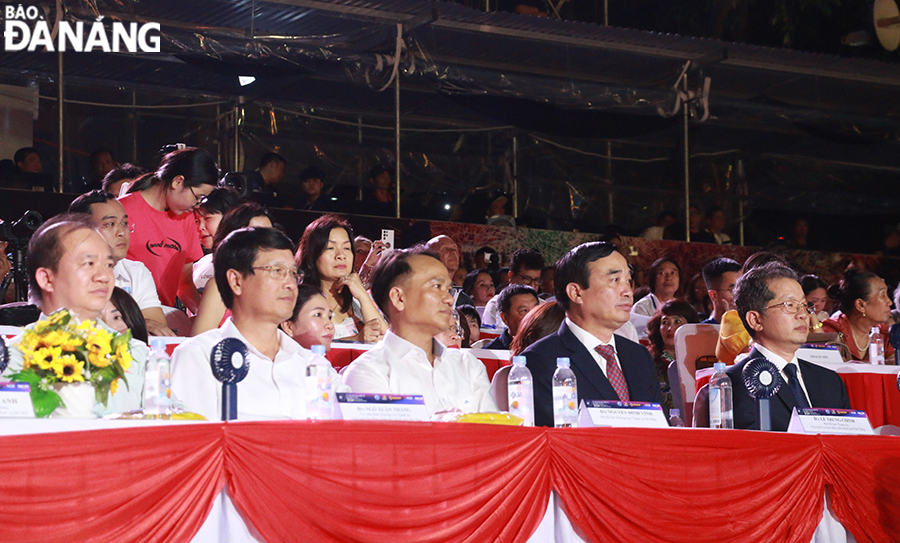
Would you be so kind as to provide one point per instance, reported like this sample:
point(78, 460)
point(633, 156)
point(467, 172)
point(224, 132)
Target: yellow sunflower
point(44, 357)
point(69, 342)
point(114, 386)
point(69, 369)
point(124, 356)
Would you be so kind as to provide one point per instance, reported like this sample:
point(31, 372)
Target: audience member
point(312, 198)
point(109, 218)
point(165, 236)
point(119, 179)
point(816, 292)
point(514, 302)
point(448, 251)
point(412, 288)
point(486, 257)
point(361, 245)
point(28, 160)
point(540, 322)
point(454, 336)
point(770, 302)
point(664, 283)
point(547, 287)
point(458, 278)
point(269, 173)
point(670, 317)
point(720, 276)
point(70, 266)
point(208, 214)
point(525, 268)
point(663, 221)
point(479, 287)
point(325, 256)
point(122, 313)
point(310, 324)
point(593, 286)
point(212, 309)
point(472, 319)
point(864, 305)
point(257, 278)
point(698, 235)
point(696, 295)
point(378, 198)
point(102, 163)
point(28, 174)
point(715, 224)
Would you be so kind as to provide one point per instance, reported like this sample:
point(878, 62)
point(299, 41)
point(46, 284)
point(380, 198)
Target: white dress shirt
point(491, 314)
point(271, 390)
point(781, 363)
point(203, 271)
point(127, 397)
point(134, 278)
point(396, 366)
point(591, 342)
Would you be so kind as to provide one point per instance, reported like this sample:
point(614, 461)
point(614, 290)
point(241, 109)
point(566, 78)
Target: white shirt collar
point(779, 362)
point(401, 347)
point(588, 339)
point(287, 347)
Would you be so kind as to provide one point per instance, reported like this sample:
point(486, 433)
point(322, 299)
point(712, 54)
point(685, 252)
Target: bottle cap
point(157, 344)
point(674, 412)
point(719, 366)
point(318, 349)
point(563, 361)
point(519, 360)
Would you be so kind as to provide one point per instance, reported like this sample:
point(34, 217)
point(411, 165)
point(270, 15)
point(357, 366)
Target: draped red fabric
point(876, 394)
point(698, 486)
point(865, 485)
point(132, 484)
point(346, 481)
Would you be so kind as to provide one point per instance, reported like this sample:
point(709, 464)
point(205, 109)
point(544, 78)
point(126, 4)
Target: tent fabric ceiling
point(306, 51)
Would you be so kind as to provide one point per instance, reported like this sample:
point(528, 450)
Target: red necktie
point(614, 372)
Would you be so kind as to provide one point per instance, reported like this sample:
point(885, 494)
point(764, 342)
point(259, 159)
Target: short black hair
point(238, 251)
point(239, 217)
point(47, 247)
point(268, 158)
point(528, 259)
point(572, 267)
point(713, 271)
point(469, 311)
point(392, 267)
point(811, 282)
point(310, 173)
point(122, 171)
point(504, 299)
point(752, 290)
point(377, 170)
point(854, 285)
point(304, 293)
point(22, 153)
point(220, 200)
point(83, 203)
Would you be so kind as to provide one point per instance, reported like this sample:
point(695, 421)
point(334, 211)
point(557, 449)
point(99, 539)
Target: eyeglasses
point(792, 307)
point(111, 225)
point(530, 280)
point(197, 199)
point(279, 273)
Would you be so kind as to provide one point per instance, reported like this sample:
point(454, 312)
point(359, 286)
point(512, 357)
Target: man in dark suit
point(514, 302)
point(593, 285)
point(772, 306)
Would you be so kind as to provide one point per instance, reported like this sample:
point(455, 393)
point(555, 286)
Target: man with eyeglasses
point(448, 251)
point(257, 279)
point(525, 268)
point(110, 219)
point(720, 276)
point(772, 306)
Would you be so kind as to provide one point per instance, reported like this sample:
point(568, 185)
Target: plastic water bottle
point(720, 411)
point(565, 395)
point(876, 347)
point(157, 393)
point(675, 419)
point(521, 391)
point(318, 385)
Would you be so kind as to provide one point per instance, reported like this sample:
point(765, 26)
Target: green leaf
point(45, 402)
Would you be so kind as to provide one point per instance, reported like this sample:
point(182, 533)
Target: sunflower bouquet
point(59, 350)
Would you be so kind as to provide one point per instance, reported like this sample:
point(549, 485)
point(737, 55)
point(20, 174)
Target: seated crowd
point(137, 262)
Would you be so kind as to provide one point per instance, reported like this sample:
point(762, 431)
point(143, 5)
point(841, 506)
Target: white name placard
point(819, 420)
point(381, 407)
point(621, 414)
point(15, 400)
point(820, 353)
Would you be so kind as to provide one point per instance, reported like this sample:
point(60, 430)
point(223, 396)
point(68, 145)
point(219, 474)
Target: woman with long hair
point(165, 235)
point(671, 316)
point(325, 257)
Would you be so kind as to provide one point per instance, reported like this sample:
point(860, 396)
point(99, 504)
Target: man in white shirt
point(525, 268)
point(412, 289)
point(70, 266)
point(772, 306)
point(110, 219)
point(257, 278)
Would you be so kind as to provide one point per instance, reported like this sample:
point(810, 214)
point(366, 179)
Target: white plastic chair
point(499, 388)
point(691, 342)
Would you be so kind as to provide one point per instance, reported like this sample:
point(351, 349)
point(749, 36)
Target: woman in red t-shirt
point(165, 236)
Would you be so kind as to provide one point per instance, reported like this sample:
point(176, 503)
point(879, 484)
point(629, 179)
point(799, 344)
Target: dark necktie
point(794, 382)
point(614, 372)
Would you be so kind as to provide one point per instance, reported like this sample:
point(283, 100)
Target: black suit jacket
point(823, 386)
point(634, 359)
